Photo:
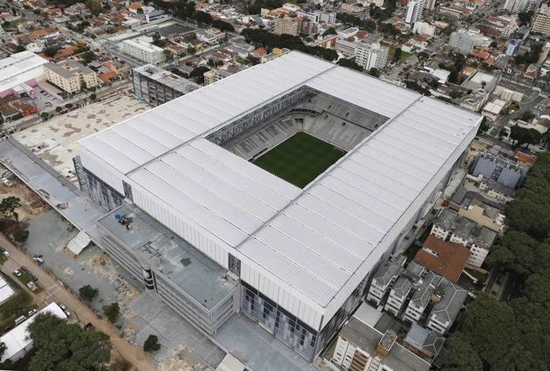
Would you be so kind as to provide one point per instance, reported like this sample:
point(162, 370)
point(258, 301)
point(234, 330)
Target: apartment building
point(286, 25)
point(70, 76)
point(462, 232)
point(449, 299)
point(463, 41)
point(541, 24)
point(143, 49)
point(482, 214)
point(403, 287)
point(371, 55)
point(421, 297)
point(157, 86)
point(444, 224)
point(211, 36)
point(482, 240)
point(384, 277)
point(447, 259)
point(212, 76)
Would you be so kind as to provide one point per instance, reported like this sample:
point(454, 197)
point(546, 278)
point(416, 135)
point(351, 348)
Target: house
point(482, 214)
point(447, 259)
point(423, 341)
point(421, 297)
point(462, 232)
point(481, 241)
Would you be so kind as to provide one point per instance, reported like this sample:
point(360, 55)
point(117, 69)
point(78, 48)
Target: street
point(54, 291)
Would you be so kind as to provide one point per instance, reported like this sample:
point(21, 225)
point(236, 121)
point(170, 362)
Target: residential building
point(443, 226)
point(449, 298)
point(518, 6)
point(20, 72)
point(462, 232)
point(423, 341)
point(361, 12)
point(463, 41)
point(286, 25)
point(371, 55)
point(345, 47)
point(157, 86)
point(482, 240)
point(481, 214)
point(211, 36)
point(541, 24)
point(502, 170)
point(143, 49)
point(71, 76)
point(385, 277)
point(424, 28)
point(415, 10)
point(421, 297)
point(496, 190)
point(361, 346)
point(403, 287)
point(447, 259)
point(212, 76)
point(211, 234)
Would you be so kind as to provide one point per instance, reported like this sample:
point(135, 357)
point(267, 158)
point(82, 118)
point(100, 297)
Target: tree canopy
point(513, 335)
point(111, 311)
point(8, 206)
point(65, 347)
point(88, 293)
point(151, 344)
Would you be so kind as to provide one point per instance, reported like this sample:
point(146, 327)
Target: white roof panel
point(313, 239)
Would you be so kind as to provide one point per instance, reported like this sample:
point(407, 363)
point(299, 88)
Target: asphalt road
point(512, 287)
point(54, 291)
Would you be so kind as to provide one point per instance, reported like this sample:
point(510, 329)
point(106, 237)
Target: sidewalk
point(55, 291)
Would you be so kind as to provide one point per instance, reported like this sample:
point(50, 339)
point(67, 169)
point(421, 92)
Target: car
point(24, 269)
point(31, 312)
point(6, 253)
point(17, 273)
point(8, 183)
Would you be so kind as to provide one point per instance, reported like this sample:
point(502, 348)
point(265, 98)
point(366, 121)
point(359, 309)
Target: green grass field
point(299, 159)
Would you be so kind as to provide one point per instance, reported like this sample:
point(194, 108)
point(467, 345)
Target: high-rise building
point(463, 41)
point(415, 10)
point(371, 55)
point(286, 25)
point(518, 6)
point(143, 49)
point(210, 233)
point(541, 24)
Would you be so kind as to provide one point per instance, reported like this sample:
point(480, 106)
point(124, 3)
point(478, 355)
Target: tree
point(198, 74)
point(330, 31)
point(88, 293)
point(58, 109)
point(374, 72)
point(111, 311)
point(94, 6)
point(223, 26)
point(62, 346)
point(93, 97)
point(151, 344)
point(50, 51)
point(20, 48)
point(21, 235)
point(2, 349)
point(8, 206)
point(191, 50)
point(522, 136)
point(462, 356)
point(202, 17)
point(349, 63)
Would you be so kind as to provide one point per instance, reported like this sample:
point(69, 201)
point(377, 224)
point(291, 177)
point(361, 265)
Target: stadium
point(275, 192)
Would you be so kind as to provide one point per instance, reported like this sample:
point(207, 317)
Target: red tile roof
point(450, 260)
point(525, 158)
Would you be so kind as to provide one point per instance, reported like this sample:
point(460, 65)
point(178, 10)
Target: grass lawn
point(299, 159)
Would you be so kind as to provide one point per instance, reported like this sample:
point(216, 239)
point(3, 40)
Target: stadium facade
point(213, 234)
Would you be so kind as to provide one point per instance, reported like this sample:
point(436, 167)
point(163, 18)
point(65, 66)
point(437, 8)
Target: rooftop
point(20, 68)
point(174, 258)
point(484, 237)
point(367, 338)
point(311, 241)
point(445, 258)
point(389, 269)
point(424, 339)
point(448, 308)
point(464, 228)
point(421, 296)
point(167, 78)
point(69, 68)
point(446, 219)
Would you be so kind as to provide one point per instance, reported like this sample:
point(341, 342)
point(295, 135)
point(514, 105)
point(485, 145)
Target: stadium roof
point(315, 238)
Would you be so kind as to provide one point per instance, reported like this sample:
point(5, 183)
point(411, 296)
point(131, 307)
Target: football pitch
point(299, 159)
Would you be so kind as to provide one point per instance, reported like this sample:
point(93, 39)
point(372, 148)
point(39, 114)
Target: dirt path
point(55, 291)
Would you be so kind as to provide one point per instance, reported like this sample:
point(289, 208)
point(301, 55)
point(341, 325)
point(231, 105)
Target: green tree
point(93, 96)
point(20, 48)
point(2, 349)
point(21, 235)
point(50, 51)
point(198, 74)
point(522, 136)
point(8, 206)
point(88, 293)
point(58, 109)
point(202, 17)
point(151, 344)
point(374, 72)
point(349, 63)
point(62, 347)
point(330, 31)
point(462, 356)
point(111, 311)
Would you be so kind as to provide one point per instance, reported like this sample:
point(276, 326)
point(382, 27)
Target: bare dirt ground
point(31, 203)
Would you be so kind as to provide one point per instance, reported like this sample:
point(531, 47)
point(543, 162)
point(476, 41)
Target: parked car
point(62, 306)
point(31, 312)
point(17, 273)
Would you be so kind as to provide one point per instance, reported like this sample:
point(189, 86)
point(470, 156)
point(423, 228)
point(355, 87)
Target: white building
point(17, 342)
point(371, 55)
point(518, 6)
point(481, 243)
point(444, 224)
point(445, 311)
point(22, 69)
point(384, 278)
point(462, 40)
point(424, 28)
point(143, 49)
point(300, 258)
point(415, 10)
point(541, 23)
